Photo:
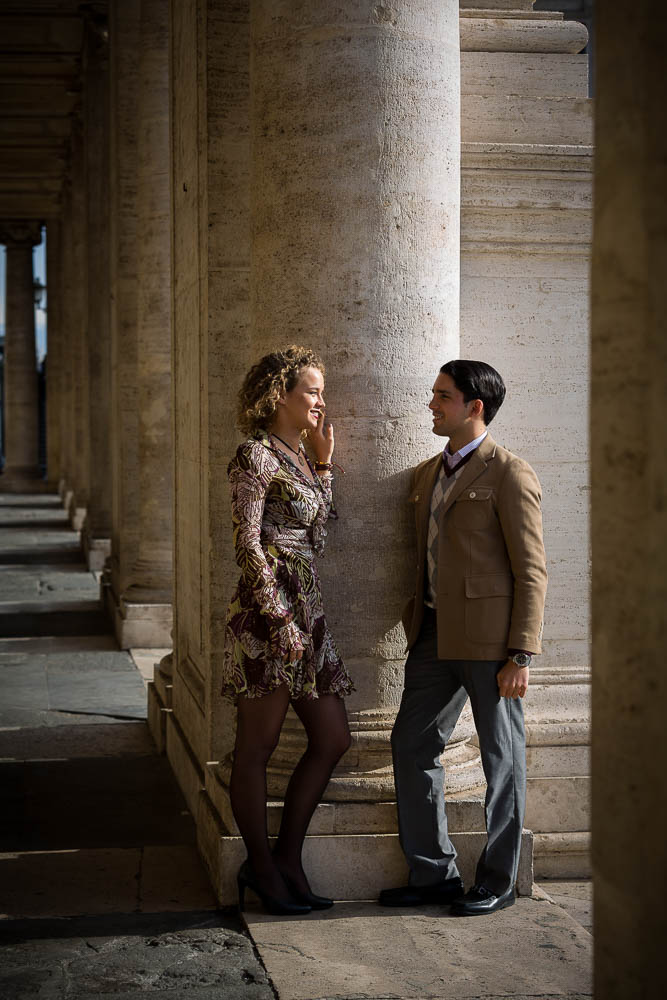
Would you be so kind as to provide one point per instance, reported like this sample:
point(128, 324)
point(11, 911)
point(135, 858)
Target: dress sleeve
point(250, 474)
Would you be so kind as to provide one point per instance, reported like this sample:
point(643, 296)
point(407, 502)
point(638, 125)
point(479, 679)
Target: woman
point(278, 648)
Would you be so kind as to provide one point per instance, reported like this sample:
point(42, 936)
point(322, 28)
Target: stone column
point(210, 157)
point(55, 356)
point(21, 473)
point(124, 34)
point(96, 532)
point(355, 228)
point(77, 493)
point(146, 604)
point(629, 526)
point(66, 483)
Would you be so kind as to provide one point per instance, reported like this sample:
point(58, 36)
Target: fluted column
point(20, 366)
point(147, 602)
point(629, 524)
point(96, 532)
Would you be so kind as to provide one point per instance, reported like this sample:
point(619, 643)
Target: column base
point(344, 866)
point(23, 481)
point(77, 512)
point(139, 623)
point(352, 848)
point(95, 551)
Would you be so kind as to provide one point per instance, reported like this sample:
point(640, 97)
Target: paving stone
point(531, 949)
point(195, 955)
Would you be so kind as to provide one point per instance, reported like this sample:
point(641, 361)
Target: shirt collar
point(465, 450)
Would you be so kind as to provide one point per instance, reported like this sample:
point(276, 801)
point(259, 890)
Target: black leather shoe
point(480, 900)
point(440, 894)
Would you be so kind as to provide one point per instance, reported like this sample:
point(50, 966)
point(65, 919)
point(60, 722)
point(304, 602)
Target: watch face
point(521, 659)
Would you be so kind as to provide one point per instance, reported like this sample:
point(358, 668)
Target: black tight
point(259, 722)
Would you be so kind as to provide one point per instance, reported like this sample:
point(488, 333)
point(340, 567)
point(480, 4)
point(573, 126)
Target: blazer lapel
point(471, 470)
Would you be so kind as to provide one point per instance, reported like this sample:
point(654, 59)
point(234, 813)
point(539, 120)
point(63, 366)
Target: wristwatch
point(522, 659)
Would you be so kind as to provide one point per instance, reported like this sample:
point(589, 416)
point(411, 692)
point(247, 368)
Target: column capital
point(20, 232)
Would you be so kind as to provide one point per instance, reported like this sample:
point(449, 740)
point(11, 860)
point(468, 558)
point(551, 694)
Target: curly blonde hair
point(272, 376)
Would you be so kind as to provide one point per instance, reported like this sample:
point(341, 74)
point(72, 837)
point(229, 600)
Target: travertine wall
point(629, 473)
point(525, 249)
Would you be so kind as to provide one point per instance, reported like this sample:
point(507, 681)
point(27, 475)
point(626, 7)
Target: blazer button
point(472, 495)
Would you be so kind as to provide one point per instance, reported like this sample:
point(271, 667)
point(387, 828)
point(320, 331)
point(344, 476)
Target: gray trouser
point(434, 696)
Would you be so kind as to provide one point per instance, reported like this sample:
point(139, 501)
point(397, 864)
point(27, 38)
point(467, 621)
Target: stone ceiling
point(40, 97)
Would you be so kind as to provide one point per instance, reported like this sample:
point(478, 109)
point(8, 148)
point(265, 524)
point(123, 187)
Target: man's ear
point(477, 410)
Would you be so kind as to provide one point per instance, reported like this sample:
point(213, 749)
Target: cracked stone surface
point(195, 955)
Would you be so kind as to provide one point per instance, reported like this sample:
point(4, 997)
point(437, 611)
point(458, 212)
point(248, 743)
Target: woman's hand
point(321, 439)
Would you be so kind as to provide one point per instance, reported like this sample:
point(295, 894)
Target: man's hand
point(512, 680)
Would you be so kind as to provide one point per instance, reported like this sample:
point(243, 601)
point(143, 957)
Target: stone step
point(352, 866)
point(562, 855)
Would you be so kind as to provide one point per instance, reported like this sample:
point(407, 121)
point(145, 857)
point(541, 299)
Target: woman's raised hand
point(321, 439)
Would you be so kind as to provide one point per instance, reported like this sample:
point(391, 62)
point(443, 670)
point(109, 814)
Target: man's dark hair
point(477, 380)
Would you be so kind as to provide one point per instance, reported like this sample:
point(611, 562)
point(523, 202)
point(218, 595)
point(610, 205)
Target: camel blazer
point(492, 577)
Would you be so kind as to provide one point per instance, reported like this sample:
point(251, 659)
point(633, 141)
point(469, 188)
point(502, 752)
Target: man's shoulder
point(419, 470)
point(511, 466)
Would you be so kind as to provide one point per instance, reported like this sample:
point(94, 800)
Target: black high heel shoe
point(315, 902)
point(246, 878)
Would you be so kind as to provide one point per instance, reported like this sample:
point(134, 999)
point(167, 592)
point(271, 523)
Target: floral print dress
point(279, 519)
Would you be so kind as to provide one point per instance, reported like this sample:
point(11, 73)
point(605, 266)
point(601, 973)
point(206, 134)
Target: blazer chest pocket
point(474, 508)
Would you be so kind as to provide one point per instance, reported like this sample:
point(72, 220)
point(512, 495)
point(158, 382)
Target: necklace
point(299, 453)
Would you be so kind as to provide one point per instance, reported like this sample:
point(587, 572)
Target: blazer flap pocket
point(490, 585)
point(475, 493)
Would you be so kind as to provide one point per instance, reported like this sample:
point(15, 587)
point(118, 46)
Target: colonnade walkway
point(102, 892)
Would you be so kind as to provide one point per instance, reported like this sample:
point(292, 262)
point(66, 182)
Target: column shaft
point(629, 529)
point(97, 528)
point(20, 366)
point(151, 590)
point(125, 26)
point(54, 354)
point(356, 152)
point(77, 333)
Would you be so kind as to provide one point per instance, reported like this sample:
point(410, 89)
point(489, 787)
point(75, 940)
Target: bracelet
point(327, 467)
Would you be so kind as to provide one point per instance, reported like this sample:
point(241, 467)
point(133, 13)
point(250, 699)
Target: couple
point(472, 626)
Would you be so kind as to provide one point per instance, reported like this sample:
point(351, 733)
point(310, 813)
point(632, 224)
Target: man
point(472, 627)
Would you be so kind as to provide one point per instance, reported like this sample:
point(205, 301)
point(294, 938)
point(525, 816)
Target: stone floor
point(102, 892)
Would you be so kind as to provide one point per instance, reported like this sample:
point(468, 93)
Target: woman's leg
point(325, 722)
point(258, 725)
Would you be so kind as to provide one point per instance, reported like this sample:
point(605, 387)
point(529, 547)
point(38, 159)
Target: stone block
point(95, 551)
point(562, 855)
point(351, 866)
point(157, 720)
point(184, 764)
point(143, 625)
point(558, 805)
point(529, 120)
point(532, 74)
